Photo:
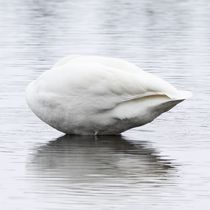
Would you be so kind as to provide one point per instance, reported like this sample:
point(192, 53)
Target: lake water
point(163, 165)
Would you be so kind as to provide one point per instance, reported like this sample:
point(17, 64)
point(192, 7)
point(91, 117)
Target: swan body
point(94, 95)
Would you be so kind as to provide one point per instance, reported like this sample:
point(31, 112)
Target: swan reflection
point(104, 159)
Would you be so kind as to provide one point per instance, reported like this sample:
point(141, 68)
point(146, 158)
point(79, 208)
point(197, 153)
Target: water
point(163, 165)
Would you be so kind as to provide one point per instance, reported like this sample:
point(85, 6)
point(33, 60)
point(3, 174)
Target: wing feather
point(108, 81)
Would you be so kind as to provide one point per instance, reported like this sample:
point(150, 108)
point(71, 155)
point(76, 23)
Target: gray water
point(163, 165)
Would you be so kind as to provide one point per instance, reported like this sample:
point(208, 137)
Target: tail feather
point(182, 95)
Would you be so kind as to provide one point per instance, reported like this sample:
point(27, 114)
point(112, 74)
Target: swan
point(96, 95)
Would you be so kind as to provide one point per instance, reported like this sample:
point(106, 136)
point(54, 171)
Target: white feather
point(99, 95)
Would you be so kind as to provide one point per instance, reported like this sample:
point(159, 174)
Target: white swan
point(94, 95)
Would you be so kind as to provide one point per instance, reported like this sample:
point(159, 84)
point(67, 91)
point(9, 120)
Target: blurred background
point(163, 165)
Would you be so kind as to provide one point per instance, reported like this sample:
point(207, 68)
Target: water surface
point(163, 165)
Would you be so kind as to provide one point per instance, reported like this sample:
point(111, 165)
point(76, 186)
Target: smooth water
point(163, 165)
